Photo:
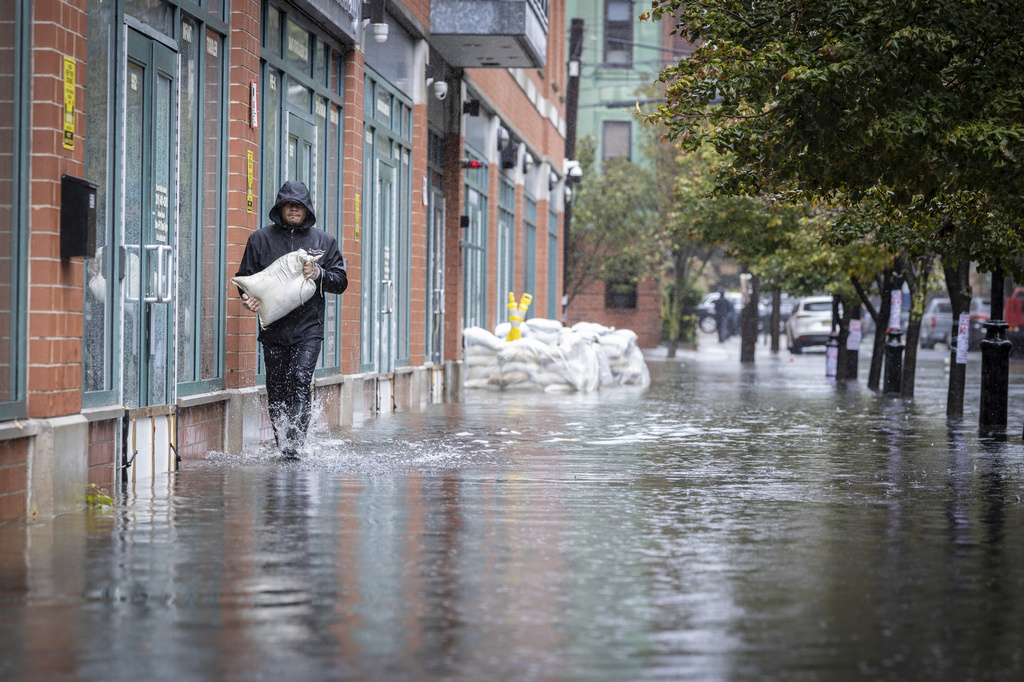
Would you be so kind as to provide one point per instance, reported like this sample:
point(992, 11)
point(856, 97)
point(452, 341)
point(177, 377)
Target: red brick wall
point(13, 478)
point(354, 208)
point(419, 277)
point(240, 367)
point(103, 449)
point(55, 286)
point(645, 319)
point(201, 430)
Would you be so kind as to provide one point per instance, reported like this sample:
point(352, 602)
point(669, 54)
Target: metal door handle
point(167, 277)
point(389, 296)
point(155, 248)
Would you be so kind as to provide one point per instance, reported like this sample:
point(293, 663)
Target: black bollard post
point(893, 361)
point(995, 361)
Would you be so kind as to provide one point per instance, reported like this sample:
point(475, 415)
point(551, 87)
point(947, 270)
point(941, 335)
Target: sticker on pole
point(853, 340)
point(896, 309)
point(831, 360)
point(963, 338)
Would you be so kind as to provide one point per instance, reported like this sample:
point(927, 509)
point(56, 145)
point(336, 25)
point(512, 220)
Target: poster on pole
point(831, 360)
point(896, 309)
point(963, 338)
point(853, 340)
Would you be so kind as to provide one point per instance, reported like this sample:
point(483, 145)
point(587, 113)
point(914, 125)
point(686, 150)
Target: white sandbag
point(280, 287)
point(591, 330)
point(542, 329)
point(476, 336)
point(502, 330)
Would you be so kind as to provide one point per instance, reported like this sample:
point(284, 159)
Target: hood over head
point(297, 192)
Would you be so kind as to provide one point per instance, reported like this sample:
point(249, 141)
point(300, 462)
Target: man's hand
point(251, 303)
point(310, 270)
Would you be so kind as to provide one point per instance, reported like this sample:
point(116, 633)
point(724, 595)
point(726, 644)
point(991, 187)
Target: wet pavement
point(729, 523)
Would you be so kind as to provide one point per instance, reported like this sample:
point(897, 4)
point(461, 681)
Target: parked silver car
point(937, 323)
point(810, 323)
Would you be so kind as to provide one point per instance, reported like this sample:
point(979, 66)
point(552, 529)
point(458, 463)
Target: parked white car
point(810, 323)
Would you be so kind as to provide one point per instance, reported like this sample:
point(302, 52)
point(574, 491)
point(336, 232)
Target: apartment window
point(620, 295)
point(618, 33)
point(617, 140)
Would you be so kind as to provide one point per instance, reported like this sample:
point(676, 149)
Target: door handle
point(164, 269)
point(387, 297)
point(389, 303)
point(155, 249)
point(168, 273)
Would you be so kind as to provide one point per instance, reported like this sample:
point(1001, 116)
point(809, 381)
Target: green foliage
point(615, 218)
point(96, 499)
point(910, 112)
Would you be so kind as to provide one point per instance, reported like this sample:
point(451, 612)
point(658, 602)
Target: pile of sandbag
point(550, 357)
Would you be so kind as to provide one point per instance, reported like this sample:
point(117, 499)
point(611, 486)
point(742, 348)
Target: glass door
point(385, 250)
point(149, 221)
point(435, 260)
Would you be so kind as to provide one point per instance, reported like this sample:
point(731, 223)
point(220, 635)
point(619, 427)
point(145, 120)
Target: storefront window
point(12, 168)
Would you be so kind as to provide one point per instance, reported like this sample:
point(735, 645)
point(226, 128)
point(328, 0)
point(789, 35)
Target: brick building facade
point(128, 351)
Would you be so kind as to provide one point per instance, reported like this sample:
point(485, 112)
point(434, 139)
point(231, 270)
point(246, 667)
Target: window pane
point(97, 331)
point(271, 136)
point(297, 46)
point(210, 270)
point(320, 64)
point(272, 31)
point(187, 279)
point(155, 13)
point(617, 139)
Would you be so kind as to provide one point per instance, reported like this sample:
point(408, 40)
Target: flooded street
point(728, 523)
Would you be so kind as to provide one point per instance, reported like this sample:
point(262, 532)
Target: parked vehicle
point(937, 323)
point(1013, 315)
point(980, 308)
point(706, 310)
point(810, 323)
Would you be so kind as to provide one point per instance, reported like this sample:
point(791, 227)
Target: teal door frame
point(147, 221)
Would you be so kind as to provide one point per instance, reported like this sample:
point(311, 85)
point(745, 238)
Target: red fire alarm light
point(472, 163)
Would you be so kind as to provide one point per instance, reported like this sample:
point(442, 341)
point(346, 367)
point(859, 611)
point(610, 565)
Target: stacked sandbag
point(584, 358)
point(529, 364)
point(625, 359)
point(542, 329)
point(480, 348)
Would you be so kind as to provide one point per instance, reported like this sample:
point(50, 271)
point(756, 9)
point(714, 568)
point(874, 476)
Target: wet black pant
point(290, 391)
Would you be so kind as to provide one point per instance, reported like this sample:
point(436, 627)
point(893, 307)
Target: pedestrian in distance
point(723, 316)
point(291, 345)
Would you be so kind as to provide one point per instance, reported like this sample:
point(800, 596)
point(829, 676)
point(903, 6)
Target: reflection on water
point(727, 524)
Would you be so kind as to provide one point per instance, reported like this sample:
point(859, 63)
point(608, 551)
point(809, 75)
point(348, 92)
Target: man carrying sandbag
point(291, 344)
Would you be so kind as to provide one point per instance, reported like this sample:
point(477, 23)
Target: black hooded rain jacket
point(275, 240)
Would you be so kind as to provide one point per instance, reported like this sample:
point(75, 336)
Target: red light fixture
point(472, 163)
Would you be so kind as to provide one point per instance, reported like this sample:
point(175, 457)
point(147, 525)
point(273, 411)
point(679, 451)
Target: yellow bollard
point(517, 313)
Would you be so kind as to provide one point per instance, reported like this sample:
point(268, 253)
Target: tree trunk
point(959, 286)
point(916, 279)
point(880, 317)
point(846, 369)
point(749, 321)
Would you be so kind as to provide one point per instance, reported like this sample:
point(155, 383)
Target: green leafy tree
point(614, 231)
point(914, 108)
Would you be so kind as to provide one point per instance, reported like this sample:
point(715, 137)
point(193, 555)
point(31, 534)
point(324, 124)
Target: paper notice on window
point(896, 310)
point(963, 332)
point(853, 340)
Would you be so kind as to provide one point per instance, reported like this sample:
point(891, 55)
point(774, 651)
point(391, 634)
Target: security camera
point(440, 89)
point(575, 172)
point(380, 33)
